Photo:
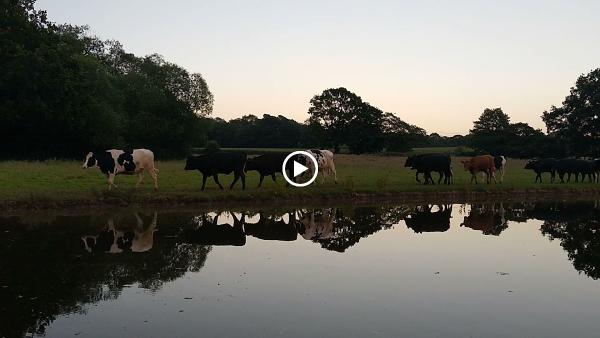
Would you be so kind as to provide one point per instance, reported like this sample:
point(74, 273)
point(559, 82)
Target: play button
point(298, 168)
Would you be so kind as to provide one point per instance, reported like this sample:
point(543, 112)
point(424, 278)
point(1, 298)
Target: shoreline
point(275, 200)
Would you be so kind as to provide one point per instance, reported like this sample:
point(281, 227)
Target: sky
point(436, 64)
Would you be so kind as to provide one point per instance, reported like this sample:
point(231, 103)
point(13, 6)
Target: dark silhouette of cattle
point(482, 163)
point(219, 163)
point(426, 163)
point(540, 166)
point(486, 218)
point(270, 164)
point(576, 167)
point(422, 219)
point(210, 233)
point(268, 228)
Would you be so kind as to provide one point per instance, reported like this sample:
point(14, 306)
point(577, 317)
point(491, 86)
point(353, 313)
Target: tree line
point(64, 92)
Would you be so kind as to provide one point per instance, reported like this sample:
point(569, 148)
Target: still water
point(480, 270)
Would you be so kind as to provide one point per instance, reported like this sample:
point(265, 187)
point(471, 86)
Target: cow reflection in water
point(271, 227)
point(208, 231)
point(487, 218)
point(113, 240)
point(423, 219)
point(317, 224)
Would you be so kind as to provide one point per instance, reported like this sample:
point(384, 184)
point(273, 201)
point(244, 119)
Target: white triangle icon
point(299, 168)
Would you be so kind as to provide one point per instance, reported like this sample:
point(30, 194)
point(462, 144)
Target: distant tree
point(491, 121)
point(399, 135)
point(577, 121)
point(334, 110)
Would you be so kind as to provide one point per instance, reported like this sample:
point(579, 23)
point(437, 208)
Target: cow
point(325, 164)
point(482, 163)
point(314, 225)
point(597, 168)
point(423, 219)
point(500, 164)
point(111, 240)
point(576, 167)
point(486, 218)
point(269, 165)
point(113, 162)
point(426, 163)
point(544, 165)
point(271, 228)
point(212, 233)
point(219, 163)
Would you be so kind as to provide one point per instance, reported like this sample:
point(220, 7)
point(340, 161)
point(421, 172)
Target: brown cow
point(483, 163)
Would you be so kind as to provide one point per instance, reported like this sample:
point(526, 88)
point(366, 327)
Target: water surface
point(494, 270)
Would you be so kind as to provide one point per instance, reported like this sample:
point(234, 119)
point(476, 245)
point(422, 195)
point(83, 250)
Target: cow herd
point(139, 161)
point(565, 168)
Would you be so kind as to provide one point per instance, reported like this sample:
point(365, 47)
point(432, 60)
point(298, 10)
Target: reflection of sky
point(385, 284)
point(446, 60)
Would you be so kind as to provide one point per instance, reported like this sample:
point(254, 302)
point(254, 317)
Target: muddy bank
point(409, 197)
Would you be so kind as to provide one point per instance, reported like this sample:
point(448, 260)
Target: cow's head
point(90, 161)
point(466, 164)
point(250, 165)
point(530, 164)
point(409, 161)
point(192, 163)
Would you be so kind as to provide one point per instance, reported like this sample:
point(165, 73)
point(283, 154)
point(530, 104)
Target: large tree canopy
point(63, 92)
point(577, 121)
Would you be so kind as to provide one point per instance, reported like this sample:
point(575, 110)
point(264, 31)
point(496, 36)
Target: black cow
point(219, 163)
point(424, 220)
point(267, 228)
point(544, 165)
point(211, 233)
point(269, 165)
point(571, 166)
point(426, 163)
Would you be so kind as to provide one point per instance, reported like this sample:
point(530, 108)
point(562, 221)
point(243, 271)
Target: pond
point(457, 270)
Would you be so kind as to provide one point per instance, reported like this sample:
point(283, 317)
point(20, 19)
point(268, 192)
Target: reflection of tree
point(348, 226)
point(577, 227)
point(44, 271)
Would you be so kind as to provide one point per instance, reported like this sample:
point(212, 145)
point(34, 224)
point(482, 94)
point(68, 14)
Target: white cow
point(325, 163)
point(115, 161)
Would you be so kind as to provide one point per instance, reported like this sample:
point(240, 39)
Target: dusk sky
point(436, 64)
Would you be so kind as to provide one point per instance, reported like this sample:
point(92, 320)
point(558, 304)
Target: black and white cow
point(113, 162)
point(500, 164)
point(324, 162)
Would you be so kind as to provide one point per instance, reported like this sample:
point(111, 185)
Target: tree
point(491, 121)
point(399, 135)
point(346, 119)
point(334, 109)
point(577, 121)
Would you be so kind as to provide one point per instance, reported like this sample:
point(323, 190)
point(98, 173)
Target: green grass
point(54, 182)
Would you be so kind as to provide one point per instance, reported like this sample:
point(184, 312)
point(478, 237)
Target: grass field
point(54, 182)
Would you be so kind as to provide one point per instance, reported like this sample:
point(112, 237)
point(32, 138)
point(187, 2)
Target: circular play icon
point(299, 168)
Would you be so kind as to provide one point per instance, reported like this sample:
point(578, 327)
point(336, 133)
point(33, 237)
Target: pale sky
point(436, 64)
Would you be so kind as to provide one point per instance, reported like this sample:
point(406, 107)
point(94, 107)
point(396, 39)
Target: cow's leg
point(273, 177)
point(538, 176)
point(262, 177)
point(216, 178)
point(417, 177)
point(140, 178)
point(152, 171)
point(204, 177)
point(243, 178)
point(332, 169)
point(440, 178)
point(111, 181)
point(236, 177)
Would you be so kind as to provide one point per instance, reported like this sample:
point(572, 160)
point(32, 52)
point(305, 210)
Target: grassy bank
point(64, 183)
